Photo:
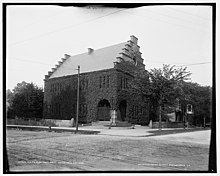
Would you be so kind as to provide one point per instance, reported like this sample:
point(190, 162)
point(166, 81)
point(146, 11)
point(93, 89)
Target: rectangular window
point(85, 109)
point(133, 111)
point(58, 108)
point(83, 84)
point(75, 85)
point(74, 108)
point(107, 81)
point(80, 109)
point(121, 82)
point(103, 81)
point(136, 110)
point(86, 84)
point(126, 83)
point(48, 109)
point(100, 82)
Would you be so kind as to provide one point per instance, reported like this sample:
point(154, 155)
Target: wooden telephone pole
point(77, 105)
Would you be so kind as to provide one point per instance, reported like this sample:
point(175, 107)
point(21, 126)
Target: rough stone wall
point(64, 95)
point(99, 91)
point(110, 84)
point(61, 93)
point(137, 107)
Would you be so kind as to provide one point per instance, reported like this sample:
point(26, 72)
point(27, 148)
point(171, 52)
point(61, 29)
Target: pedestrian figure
point(49, 128)
point(187, 125)
point(72, 121)
point(113, 116)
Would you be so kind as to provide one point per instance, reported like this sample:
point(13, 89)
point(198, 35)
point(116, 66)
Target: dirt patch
point(37, 151)
point(175, 131)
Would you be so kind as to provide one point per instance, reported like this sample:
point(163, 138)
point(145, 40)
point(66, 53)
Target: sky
point(39, 36)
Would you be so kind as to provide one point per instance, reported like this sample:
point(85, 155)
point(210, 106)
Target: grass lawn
point(175, 131)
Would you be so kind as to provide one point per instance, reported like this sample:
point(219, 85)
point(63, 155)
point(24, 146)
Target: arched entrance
point(103, 110)
point(122, 109)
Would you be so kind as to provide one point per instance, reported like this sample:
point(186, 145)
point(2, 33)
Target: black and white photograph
point(115, 88)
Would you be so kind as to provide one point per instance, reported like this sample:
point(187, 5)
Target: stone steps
point(107, 123)
point(123, 124)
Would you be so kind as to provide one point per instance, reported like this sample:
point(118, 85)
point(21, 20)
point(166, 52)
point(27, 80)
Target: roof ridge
point(100, 48)
point(92, 59)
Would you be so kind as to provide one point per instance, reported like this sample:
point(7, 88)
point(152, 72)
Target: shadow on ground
point(174, 131)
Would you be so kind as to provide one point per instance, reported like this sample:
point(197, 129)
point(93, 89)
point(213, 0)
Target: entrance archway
point(122, 109)
point(103, 110)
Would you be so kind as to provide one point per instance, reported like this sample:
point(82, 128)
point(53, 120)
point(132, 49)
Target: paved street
point(51, 151)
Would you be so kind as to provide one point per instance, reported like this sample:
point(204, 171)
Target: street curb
point(55, 129)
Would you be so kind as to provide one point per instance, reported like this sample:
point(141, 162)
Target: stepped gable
point(95, 60)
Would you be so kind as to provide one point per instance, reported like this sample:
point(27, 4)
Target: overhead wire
point(194, 64)
point(32, 61)
point(187, 64)
point(176, 24)
point(182, 11)
point(91, 21)
point(176, 18)
point(74, 25)
point(39, 20)
point(67, 27)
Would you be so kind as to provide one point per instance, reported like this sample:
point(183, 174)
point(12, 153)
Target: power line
point(163, 62)
point(39, 20)
point(175, 17)
point(24, 60)
point(182, 11)
point(194, 64)
point(181, 25)
point(67, 27)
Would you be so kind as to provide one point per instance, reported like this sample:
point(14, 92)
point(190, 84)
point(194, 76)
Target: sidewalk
point(139, 131)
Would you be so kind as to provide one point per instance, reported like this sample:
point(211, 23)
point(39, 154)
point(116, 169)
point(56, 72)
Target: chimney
point(133, 39)
point(66, 56)
point(50, 73)
point(47, 76)
point(90, 50)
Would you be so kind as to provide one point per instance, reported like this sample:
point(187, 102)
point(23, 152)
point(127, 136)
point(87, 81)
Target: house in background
point(104, 83)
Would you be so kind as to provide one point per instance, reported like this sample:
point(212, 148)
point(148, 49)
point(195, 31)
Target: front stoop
point(107, 124)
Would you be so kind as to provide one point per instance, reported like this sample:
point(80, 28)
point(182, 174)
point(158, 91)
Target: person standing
point(113, 117)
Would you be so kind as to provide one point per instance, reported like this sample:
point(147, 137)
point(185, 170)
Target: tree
point(9, 98)
point(200, 98)
point(27, 101)
point(161, 86)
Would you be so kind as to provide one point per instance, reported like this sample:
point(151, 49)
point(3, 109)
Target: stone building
point(104, 84)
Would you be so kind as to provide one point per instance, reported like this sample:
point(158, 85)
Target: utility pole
point(77, 105)
point(160, 109)
point(160, 125)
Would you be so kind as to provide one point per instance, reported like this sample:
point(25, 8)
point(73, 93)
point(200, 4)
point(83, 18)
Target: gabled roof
point(95, 60)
